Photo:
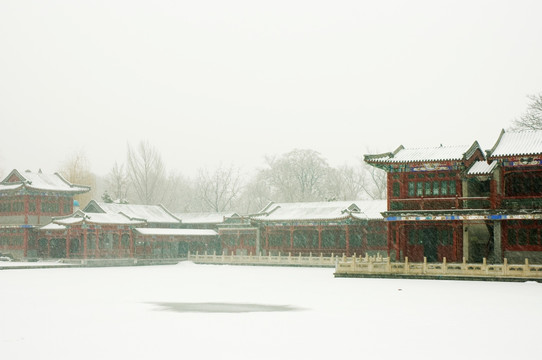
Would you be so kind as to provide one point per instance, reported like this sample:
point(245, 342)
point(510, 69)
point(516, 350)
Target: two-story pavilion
point(28, 200)
point(518, 194)
point(454, 202)
point(428, 197)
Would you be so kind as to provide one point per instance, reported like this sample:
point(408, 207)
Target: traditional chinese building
point(108, 230)
point(29, 200)
point(517, 195)
point(336, 227)
point(453, 203)
point(236, 235)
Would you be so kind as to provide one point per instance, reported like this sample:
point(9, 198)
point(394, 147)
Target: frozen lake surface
point(246, 312)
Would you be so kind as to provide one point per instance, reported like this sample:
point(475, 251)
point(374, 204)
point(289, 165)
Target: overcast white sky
point(231, 81)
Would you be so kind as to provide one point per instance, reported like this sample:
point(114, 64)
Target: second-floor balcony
point(521, 202)
point(440, 203)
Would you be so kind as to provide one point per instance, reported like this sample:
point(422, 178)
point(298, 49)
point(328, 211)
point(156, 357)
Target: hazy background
point(211, 82)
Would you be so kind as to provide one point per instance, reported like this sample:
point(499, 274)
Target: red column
point(291, 237)
point(25, 241)
point(398, 243)
point(38, 207)
point(347, 235)
point(96, 249)
point(132, 248)
point(319, 237)
point(68, 244)
point(119, 245)
point(26, 210)
point(389, 236)
point(84, 242)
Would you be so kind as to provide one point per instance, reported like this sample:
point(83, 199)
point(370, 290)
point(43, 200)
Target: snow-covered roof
point(482, 168)
point(5, 187)
point(329, 210)
point(414, 155)
point(150, 213)
point(53, 227)
point(516, 143)
point(204, 217)
point(40, 181)
point(97, 218)
point(175, 232)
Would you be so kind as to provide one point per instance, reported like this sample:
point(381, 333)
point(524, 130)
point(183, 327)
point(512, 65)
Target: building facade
point(460, 203)
point(29, 200)
point(336, 227)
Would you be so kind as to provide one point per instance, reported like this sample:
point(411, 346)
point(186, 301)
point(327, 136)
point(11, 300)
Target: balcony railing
point(522, 203)
point(431, 203)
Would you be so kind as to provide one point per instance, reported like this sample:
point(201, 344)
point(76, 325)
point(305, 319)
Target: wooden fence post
point(424, 267)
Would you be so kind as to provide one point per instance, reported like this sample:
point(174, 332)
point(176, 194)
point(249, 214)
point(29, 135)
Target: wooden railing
point(279, 260)
point(353, 266)
point(436, 203)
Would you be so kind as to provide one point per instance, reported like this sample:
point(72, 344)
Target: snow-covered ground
point(189, 311)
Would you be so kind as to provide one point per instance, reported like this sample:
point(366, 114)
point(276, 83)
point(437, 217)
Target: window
point(355, 238)
point(428, 189)
point(512, 237)
point(410, 189)
point(300, 239)
point(431, 188)
point(533, 237)
point(396, 189)
point(444, 188)
point(419, 189)
point(452, 187)
point(436, 188)
point(523, 183)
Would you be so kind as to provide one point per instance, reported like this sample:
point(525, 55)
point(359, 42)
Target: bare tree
point(531, 119)
point(179, 194)
point(255, 196)
point(219, 189)
point(117, 183)
point(374, 182)
point(76, 169)
point(345, 183)
point(299, 175)
point(146, 171)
